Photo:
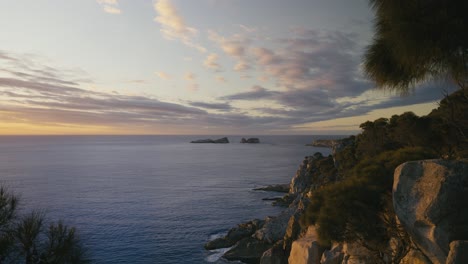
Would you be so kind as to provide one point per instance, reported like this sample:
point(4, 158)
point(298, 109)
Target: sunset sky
point(191, 67)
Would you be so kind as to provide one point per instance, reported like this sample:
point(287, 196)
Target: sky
point(212, 67)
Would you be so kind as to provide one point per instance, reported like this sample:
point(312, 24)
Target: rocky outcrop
point(429, 198)
point(275, 227)
point(306, 250)
point(248, 250)
point(220, 140)
point(310, 177)
point(250, 140)
point(302, 180)
point(235, 234)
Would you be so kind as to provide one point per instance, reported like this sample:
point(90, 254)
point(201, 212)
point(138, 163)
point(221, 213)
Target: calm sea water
point(149, 199)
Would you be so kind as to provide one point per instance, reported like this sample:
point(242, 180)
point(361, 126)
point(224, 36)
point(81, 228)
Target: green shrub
point(351, 209)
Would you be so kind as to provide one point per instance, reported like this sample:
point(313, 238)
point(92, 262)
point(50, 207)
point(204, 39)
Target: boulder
point(275, 255)
point(250, 140)
point(248, 250)
point(235, 234)
point(306, 250)
point(429, 198)
point(220, 140)
point(275, 227)
point(458, 252)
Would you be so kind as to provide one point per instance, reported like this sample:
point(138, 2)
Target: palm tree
point(418, 40)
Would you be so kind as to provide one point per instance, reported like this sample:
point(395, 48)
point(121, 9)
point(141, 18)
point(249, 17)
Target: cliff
point(429, 198)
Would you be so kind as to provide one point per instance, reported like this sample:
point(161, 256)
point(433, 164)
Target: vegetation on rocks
point(358, 207)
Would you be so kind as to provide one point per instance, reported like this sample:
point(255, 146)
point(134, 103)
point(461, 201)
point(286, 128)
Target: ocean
point(149, 199)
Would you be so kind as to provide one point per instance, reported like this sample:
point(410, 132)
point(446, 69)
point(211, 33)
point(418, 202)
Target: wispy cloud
point(173, 25)
point(211, 62)
point(33, 93)
point(110, 6)
point(212, 106)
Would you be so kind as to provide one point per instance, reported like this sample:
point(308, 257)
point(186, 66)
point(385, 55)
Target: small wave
point(216, 254)
point(217, 235)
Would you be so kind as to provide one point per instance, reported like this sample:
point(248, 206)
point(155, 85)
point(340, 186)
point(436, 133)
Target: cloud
point(212, 106)
point(173, 25)
point(211, 62)
point(110, 6)
point(34, 93)
point(255, 93)
point(163, 75)
point(242, 66)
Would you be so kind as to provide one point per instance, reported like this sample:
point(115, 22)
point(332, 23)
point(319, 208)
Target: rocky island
point(250, 140)
point(223, 140)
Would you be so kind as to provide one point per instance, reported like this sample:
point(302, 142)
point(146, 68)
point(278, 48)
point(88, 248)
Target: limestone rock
point(458, 252)
point(248, 250)
point(306, 250)
point(275, 227)
point(430, 201)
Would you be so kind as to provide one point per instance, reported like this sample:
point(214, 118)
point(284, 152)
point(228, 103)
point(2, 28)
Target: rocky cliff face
point(430, 200)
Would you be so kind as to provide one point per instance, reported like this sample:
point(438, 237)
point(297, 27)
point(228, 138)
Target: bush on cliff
point(358, 208)
point(351, 210)
point(25, 239)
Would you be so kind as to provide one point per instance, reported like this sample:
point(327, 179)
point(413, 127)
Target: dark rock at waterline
point(247, 250)
point(250, 140)
point(220, 140)
point(272, 199)
point(284, 188)
point(235, 234)
point(275, 255)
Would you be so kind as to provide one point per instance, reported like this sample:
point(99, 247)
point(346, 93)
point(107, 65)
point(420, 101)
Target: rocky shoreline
point(285, 239)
